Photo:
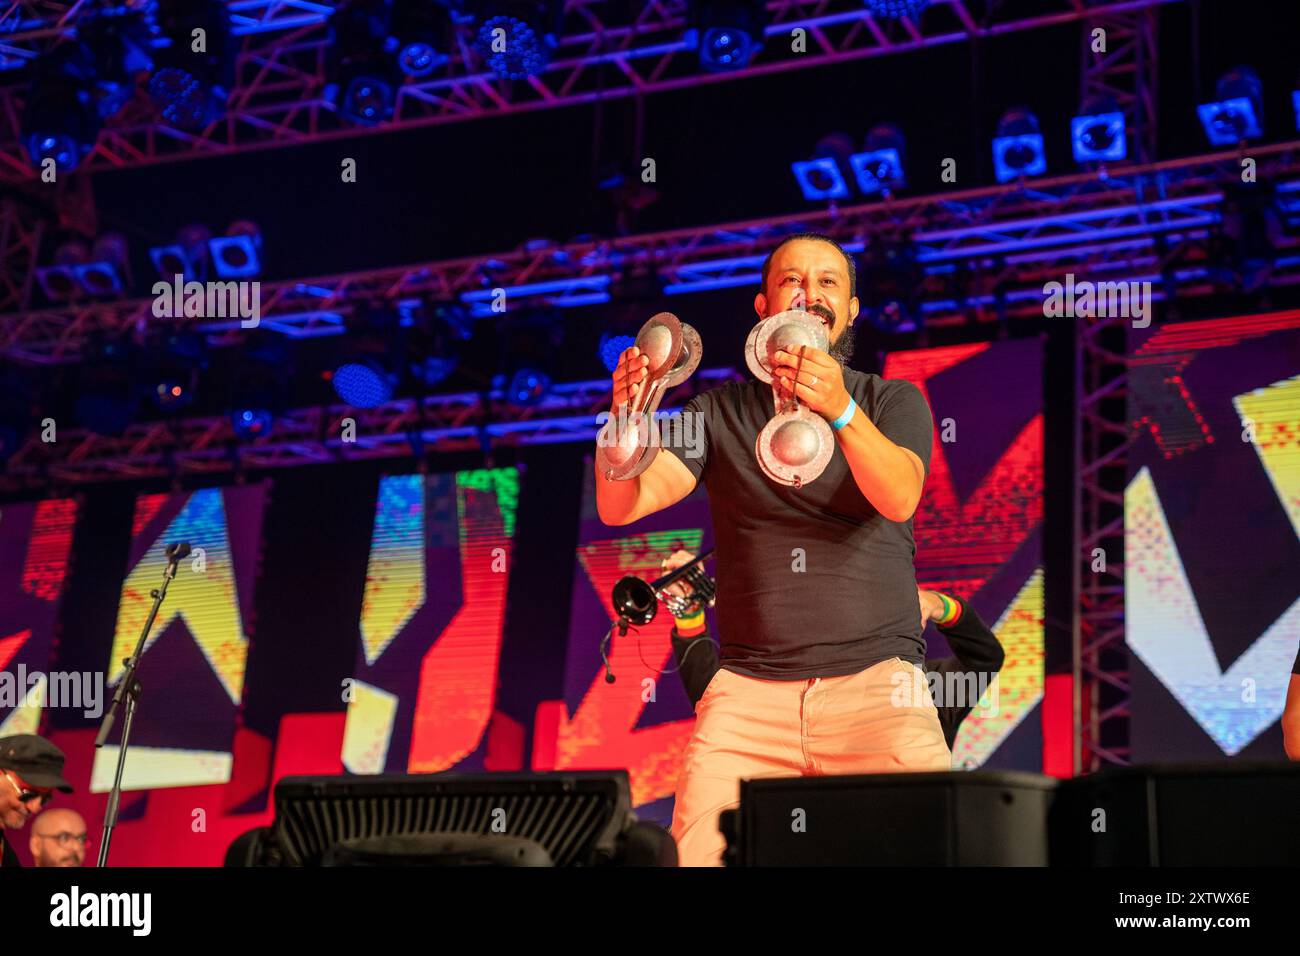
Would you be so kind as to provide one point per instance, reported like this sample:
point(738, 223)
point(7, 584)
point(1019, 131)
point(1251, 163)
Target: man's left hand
point(820, 384)
point(931, 606)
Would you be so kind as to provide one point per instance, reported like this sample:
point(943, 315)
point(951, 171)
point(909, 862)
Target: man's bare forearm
point(616, 501)
point(666, 482)
point(885, 474)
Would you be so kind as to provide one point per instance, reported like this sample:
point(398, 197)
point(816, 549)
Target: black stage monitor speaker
point(1221, 814)
point(980, 818)
point(546, 819)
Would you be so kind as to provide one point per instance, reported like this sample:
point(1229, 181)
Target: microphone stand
point(128, 691)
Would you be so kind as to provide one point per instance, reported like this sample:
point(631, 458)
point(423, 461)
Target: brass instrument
point(636, 600)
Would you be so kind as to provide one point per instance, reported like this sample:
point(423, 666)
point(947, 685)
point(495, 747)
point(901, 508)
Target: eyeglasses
point(25, 796)
point(66, 838)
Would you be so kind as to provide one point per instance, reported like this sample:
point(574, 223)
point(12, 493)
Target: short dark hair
point(848, 259)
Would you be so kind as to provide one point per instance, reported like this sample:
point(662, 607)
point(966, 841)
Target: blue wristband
point(846, 416)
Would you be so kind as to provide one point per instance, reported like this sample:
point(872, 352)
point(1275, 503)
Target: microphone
point(178, 551)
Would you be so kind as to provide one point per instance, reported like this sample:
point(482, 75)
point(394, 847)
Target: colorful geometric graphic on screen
point(203, 599)
point(447, 680)
point(1165, 629)
point(1017, 688)
point(34, 543)
point(1274, 414)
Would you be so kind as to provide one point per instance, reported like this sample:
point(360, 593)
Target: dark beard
point(842, 349)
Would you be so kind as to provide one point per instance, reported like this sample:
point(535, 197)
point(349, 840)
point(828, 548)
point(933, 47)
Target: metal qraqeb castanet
point(795, 447)
point(624, 447)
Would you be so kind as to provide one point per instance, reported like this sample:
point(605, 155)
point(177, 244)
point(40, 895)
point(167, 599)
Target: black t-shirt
point(8, 855)
point(853, 603)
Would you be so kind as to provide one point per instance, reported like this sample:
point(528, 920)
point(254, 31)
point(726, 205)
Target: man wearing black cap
point(31, 769)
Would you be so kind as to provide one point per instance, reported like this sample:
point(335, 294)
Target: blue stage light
point(61, 120)
point(368, 100)
point(251, 422)
point(190, 87)
point(364, 384)
point(1018, 146)
point(879, 168)
point(726, 34)
point(726, 48)
point(820, 179)
point(362, 72)
point(1097, 134)
point(893, 9)
point(612, 346)
point(1295, 103)
point(187, 256)
point(878, 171)
point(1237, 113)
point(236, 254)
point(419, 58)
point(419, 28)
point(513, 47)
point(528, 387)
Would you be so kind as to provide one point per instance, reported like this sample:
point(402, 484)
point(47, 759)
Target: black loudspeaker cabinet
point(1224, 814)
point(978, 818)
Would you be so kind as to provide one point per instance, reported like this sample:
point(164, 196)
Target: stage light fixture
point(517, 38)
point(107, 272)
point(187, 257)
point(419, 31)
point(1018, 146)
point(433, 337)
point(879, 169)
point(261, 387)
point(363, 76)
point(528, 387)
point(61, 119)
point(173, 392)
point(59, 279)
point(237, 254)
point(822, 178)
point(612, 346)
point(1237, 112)
point(893, 9)
point(120, 45)
point(80, 83)
point(193, 71)
point(1097, 134)
point(364, 384)
point(726, 34)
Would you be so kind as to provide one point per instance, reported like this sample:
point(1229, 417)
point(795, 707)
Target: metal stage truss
point(607, 50)
point(207, 445)
point(983, 254)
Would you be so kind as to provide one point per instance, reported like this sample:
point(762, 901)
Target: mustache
point(824, 311)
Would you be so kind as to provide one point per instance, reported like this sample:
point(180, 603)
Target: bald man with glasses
point(59, 838)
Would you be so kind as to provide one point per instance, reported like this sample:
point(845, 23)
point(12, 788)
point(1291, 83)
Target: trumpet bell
point(634, 599)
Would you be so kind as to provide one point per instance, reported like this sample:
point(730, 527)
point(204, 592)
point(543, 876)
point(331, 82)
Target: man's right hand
point(629, 375)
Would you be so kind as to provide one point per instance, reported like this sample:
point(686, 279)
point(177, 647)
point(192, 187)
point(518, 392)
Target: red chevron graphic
point(960, 545)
